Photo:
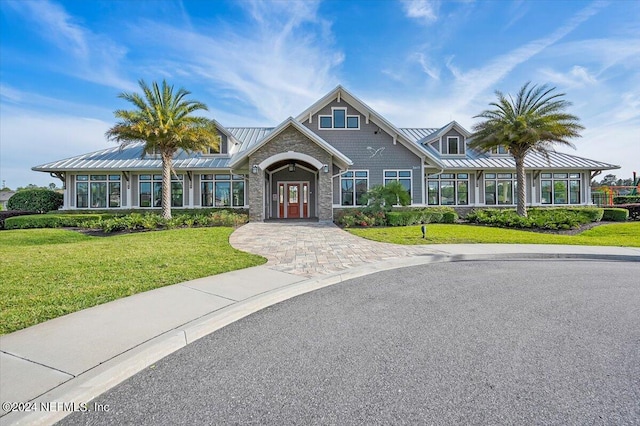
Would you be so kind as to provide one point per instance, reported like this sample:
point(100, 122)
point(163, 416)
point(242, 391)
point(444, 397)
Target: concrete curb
point(90, 384)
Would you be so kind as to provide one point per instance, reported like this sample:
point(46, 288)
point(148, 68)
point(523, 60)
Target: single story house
point(4, 198)
point(322, 160)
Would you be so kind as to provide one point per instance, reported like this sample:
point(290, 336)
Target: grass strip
point(47, 273)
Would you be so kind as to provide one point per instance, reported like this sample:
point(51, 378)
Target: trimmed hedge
point(35, 200)
point(544, 218)
point(626, 199)
point(4, 215)
point(634, 210)
point(51, 220)
point(151, 221)
point(615, 214)
point(401, 216)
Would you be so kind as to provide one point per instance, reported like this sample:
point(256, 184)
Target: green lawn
point(619, 234)
point(47, 273)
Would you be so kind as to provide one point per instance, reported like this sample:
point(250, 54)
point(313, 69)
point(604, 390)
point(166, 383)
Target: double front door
point(293, 199)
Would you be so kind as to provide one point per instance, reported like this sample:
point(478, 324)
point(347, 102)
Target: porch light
point(292, 167)
point(325, 168)
point(254, 169)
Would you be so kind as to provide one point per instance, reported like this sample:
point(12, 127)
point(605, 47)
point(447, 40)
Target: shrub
point(634, 210)
point(615, 214)
point(4, 215)
point(51, 221)
point(626, 199)
point(383, 197)
point(35, 200)
point(544, 218)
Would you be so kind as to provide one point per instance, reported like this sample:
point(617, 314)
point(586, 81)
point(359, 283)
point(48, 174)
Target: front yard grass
point(618, 234)
point(47, 273)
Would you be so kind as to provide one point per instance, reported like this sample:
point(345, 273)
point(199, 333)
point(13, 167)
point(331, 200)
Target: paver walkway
point(312, 249)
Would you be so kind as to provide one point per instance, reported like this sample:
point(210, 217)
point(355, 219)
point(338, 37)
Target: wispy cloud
point(425, 11)
point(276, 63)
point(578, 76)
point(85, 54)
point(431, 70)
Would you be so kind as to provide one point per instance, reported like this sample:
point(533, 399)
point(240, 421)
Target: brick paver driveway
point(310, 249)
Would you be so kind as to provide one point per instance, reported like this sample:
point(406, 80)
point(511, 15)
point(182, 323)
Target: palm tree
point(163, 120)
point(534, 122)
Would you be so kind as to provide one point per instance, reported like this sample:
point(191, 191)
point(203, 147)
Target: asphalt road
point(500, 342)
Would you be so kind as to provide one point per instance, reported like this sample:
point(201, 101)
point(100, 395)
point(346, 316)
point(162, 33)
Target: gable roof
point(341, 93)
point(289, 122)
point(443, 131)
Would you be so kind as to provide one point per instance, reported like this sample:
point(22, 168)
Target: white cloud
point(276, 64)
point(426, 11)
point(28, 139)
point(578, 76)
point(86, 55)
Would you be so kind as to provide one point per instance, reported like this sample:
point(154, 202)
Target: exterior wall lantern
point(325, 168)
point(292, 167)
point(254, 169)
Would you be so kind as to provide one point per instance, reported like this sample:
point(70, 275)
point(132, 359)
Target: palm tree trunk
point(166, 185)
point(522, 186)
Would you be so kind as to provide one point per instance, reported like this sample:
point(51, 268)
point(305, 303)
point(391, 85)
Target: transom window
point(98, 191)
point(402, 176)
point(560, 188)
point(448, 189)
point(499, 188)
point(339, 120)
point(222, 190)
point(151, 190)
point(353, 185)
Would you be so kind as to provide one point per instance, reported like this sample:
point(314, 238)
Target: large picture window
point(499, 188)
point(560, 188)
point(222, 190)
point(151, 190)
point(448, 189)
point(353, 185)
point(402, 176)
point(98, 191)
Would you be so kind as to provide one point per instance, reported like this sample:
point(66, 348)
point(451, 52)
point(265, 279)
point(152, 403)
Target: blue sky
point(419, 63)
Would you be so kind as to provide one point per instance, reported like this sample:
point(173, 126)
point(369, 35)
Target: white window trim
point(231, 180)
point(568, 179)
point(346, 119)
point(152, 180)
point(455, 179)
point(444, 142)
point(354, 186)
point(384, 178)
point(514, 191)
point(107, 181)
point(498, 154)
point(207, 153)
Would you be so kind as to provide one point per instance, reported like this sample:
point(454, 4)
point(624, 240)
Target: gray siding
point(452, 133)
point(360, 146)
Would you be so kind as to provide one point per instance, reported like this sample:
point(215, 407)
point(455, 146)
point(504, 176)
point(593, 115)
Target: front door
point(293, 199)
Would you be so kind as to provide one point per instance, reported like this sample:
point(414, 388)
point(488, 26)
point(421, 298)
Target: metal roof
point(249, 136)
point(130, 158)
point(417, 135)
point(533, 160)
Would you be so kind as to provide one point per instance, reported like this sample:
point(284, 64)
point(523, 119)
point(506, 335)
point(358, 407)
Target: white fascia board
point(302, 129)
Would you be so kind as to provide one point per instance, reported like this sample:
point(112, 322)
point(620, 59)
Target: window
point(402, 176)
point(97, 191)
point(499, 188)
point(353, 185)
point(222, 190)
point(560, 188)
point(219, 150)
point(452, 145)
point(151, 191)
point(500, 150)
point(339, 120)
point(448, 189)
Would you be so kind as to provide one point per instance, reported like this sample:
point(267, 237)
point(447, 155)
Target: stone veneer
point(290, 140)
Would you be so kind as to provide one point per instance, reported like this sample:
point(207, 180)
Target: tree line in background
point(612, 180)
point(52, 186)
